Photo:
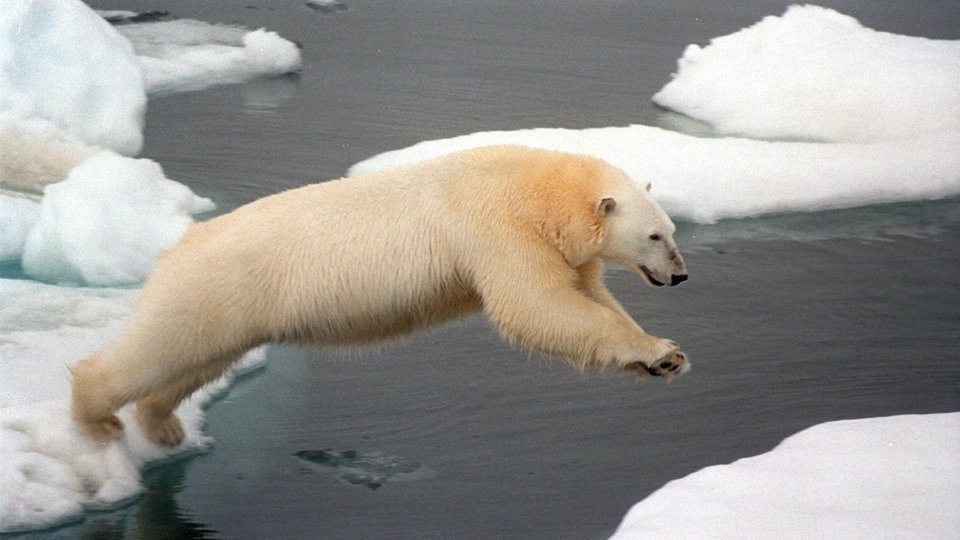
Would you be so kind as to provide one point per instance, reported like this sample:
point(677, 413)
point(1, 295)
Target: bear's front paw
point(672, 365)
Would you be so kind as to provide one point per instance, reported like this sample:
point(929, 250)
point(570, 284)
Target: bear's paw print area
point(370, 469)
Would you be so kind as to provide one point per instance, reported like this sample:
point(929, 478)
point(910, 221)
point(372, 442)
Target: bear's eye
point(655, 237)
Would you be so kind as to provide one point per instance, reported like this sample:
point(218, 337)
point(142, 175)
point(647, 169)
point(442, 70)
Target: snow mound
point(62, 62)
point(813, 73)
point(108, 222)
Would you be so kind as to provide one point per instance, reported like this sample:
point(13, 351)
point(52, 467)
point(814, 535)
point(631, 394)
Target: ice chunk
point(890, 102)
point(61, 61)
point(895, 477)
point(186, 54)
point(816, 74)
point(49, 474)
point(704, 180)
point(108, 222)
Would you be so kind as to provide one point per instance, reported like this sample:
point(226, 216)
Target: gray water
point(790, 320)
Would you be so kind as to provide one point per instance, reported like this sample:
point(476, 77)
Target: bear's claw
point(672, 365)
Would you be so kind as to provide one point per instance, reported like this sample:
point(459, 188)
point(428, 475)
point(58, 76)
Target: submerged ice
point(370, 469)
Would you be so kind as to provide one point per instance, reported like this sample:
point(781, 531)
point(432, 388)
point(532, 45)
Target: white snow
point(895, 477)
point(816, 74)
point(61, 61)
point(17, 217)
point(73, 87)
point(704, 179)
point(108, 222)
point(186, 54)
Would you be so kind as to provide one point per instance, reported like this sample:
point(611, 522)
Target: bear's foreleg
point(551, 312)
point(590, 281)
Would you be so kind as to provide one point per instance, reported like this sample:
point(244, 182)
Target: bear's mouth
point(649, 275)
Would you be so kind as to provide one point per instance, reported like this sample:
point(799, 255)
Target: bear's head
point(638, 235)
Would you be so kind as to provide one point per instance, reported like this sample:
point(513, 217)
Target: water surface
point(790, 320)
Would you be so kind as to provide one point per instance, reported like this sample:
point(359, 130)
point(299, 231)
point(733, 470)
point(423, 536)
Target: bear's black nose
point(677, 279)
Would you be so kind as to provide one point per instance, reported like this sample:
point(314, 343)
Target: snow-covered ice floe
point(895, 477)
point(817, 74)
point(185, 54)
point(76, 207)
point(49, 473)
point(74, 87)
point(708, 179)
point(887, 104)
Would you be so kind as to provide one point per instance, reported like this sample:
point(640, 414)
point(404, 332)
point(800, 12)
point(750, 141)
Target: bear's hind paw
point(167, 432)
point(102, 430)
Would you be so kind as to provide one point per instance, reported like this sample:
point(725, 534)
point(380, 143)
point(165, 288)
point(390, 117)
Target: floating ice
point(49, 474)
point(705, 180)
point(813, 73)
point(61, 61)
point(108, 222)
point(896, 477)
point(71, 86)
point(185, 54)
point(821, 91)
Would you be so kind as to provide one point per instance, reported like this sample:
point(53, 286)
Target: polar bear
point(516, 232)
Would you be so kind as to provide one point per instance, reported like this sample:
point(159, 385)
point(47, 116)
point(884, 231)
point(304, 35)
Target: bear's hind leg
point(94, 401)
point(160, 426)
point(155, 412)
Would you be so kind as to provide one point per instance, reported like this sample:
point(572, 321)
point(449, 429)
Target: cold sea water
point(790, 320)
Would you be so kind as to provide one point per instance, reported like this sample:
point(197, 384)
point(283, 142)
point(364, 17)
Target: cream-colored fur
point(517, 232)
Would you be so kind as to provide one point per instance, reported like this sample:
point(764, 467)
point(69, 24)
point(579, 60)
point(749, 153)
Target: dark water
point(790, 320)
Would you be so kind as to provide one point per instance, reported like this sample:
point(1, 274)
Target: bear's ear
point(647, 186)
point(606, 206)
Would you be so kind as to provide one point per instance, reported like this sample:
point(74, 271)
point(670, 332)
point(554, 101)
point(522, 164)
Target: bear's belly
point(346, 317)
